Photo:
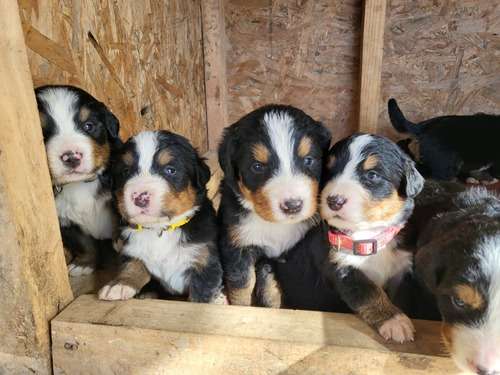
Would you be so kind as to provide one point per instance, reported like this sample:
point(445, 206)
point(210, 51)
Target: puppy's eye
point(169, 170)
point(308, 160)
point(88, 127)
point(258, 167)
point(458, 303)
point(126, 172)
point(372, 176)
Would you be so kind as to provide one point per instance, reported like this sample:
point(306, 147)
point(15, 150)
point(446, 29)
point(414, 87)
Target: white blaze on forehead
point(61, 106)
point(279, 126)
point(147, 145)
point(355, 158)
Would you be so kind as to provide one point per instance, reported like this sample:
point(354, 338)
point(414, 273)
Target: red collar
point(361, 247)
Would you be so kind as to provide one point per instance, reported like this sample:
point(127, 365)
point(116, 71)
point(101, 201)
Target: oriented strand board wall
point(441, 57)
point(303, 53)
point(142, 58)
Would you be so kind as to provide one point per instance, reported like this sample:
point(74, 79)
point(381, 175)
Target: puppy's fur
point(271, 159)
point(458, 258)
point(455, 146)
point(168, 225)
point(80, 135)
point(369, 186)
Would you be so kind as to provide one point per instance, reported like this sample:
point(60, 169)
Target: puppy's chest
point(389, 262)
point(167, 257)
point(274, 238)
point(79, 203)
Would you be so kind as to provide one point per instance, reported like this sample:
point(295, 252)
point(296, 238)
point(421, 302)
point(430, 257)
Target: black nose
point(291, 206)
point(335, 202)
point(481, 370)
point(71, 159)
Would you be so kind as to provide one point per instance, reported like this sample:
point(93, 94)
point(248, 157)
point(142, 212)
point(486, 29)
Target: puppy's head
point(272, 160)
point(79, 133)
point(459, 263)
point(158, 178)
point(368, 183)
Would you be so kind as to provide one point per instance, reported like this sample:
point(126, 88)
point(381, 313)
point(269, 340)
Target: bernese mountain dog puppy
point(272, 160)
point(455, 146)
point(357, 254)
point(168, 228)
point(80, 135)
point(458, 258)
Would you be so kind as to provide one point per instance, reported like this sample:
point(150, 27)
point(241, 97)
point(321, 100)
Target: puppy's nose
point(481, 370)
point(141, 199)
point(71, 159)
point(291, 206)
point(336, 202)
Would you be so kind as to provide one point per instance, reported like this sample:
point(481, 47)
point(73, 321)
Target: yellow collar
point(178, 224)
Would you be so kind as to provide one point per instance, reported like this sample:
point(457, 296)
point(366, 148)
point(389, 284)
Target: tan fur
point(201, 260)
point(470, 296)
point(243, 296)
point(446, 334)
point(371, 162)
point(260, 201)
point(331, 160)
point(273, 293)
point(135, 275)
point(43, 119)
point(386, 209)
point(84, 114)
point(261, 153)
point(128, 158)
point(101, 154)
point(304, 147)
point(164, 157)
point(178, 202)
point(120, 196)
point(378, 309)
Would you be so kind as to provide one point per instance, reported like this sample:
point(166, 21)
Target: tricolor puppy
point(272, 160)
point(355, 253)
point(80, 135)
point(455, 146)
point(168, 225)
point(458, 258)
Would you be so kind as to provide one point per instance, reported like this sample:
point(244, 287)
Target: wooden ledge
point(171, 337)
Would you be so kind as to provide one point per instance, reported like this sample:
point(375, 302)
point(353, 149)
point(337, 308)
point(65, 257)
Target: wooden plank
point(214, 45)
point(171, 337)
point(34, 283)
point(372, 41)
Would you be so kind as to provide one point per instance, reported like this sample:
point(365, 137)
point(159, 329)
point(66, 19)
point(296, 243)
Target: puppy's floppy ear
point(325, 137)
point(202, 173)
point(227, 148)
point(413, 182)
point(429, 266)
point(112, 127)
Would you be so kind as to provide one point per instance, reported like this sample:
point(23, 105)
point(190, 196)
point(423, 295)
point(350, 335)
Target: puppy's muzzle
point(291, 206)
point(336, 202)
point(141, 199)
point(71, 159)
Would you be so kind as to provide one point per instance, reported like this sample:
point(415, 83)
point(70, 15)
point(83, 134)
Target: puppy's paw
point(75, 269)
point(399, 328)
point(472, 180)
point(116, 292)
point(118, 245)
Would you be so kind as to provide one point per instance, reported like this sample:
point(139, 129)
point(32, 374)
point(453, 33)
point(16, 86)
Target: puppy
point(455, 146)
point(168, 226)
point(458, 258)
point(347, 261)
point(80, 135)
point(272, 160)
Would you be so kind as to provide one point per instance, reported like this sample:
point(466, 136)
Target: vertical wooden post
point(372, 42)
point(34, 284)
point(214, 46)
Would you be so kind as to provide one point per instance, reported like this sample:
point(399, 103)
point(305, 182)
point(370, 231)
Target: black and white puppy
point(357, 253)
point(458, 258)
point(272, 160)
point(168, 226)
point(455, 146)
point(80, 135)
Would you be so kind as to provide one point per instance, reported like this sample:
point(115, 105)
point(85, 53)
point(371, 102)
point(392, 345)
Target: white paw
point(116, 292)
point(472, 180)
point(76, 270)
point(399, 328)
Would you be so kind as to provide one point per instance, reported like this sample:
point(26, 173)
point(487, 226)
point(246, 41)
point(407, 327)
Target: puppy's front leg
point(371, 303)
point(132, 277)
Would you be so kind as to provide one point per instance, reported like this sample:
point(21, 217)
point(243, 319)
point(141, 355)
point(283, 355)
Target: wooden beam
point(372, 42)
point(214, 46)
point(171, 337)
point(34, 282)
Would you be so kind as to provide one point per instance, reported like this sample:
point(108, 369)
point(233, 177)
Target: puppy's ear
point(413, 182)
point(429, 266)
point(227, 148)
point(325, 137)
point(202, 173)
point(112, 127)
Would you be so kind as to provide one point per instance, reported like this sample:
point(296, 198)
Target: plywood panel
point(144, 59)
point(169, 337)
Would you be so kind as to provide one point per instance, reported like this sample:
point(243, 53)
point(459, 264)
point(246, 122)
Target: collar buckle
point(364, 251)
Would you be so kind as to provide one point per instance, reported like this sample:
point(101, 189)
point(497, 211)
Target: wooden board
point(169, 337)
point(34, 283)
point(144, 59)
